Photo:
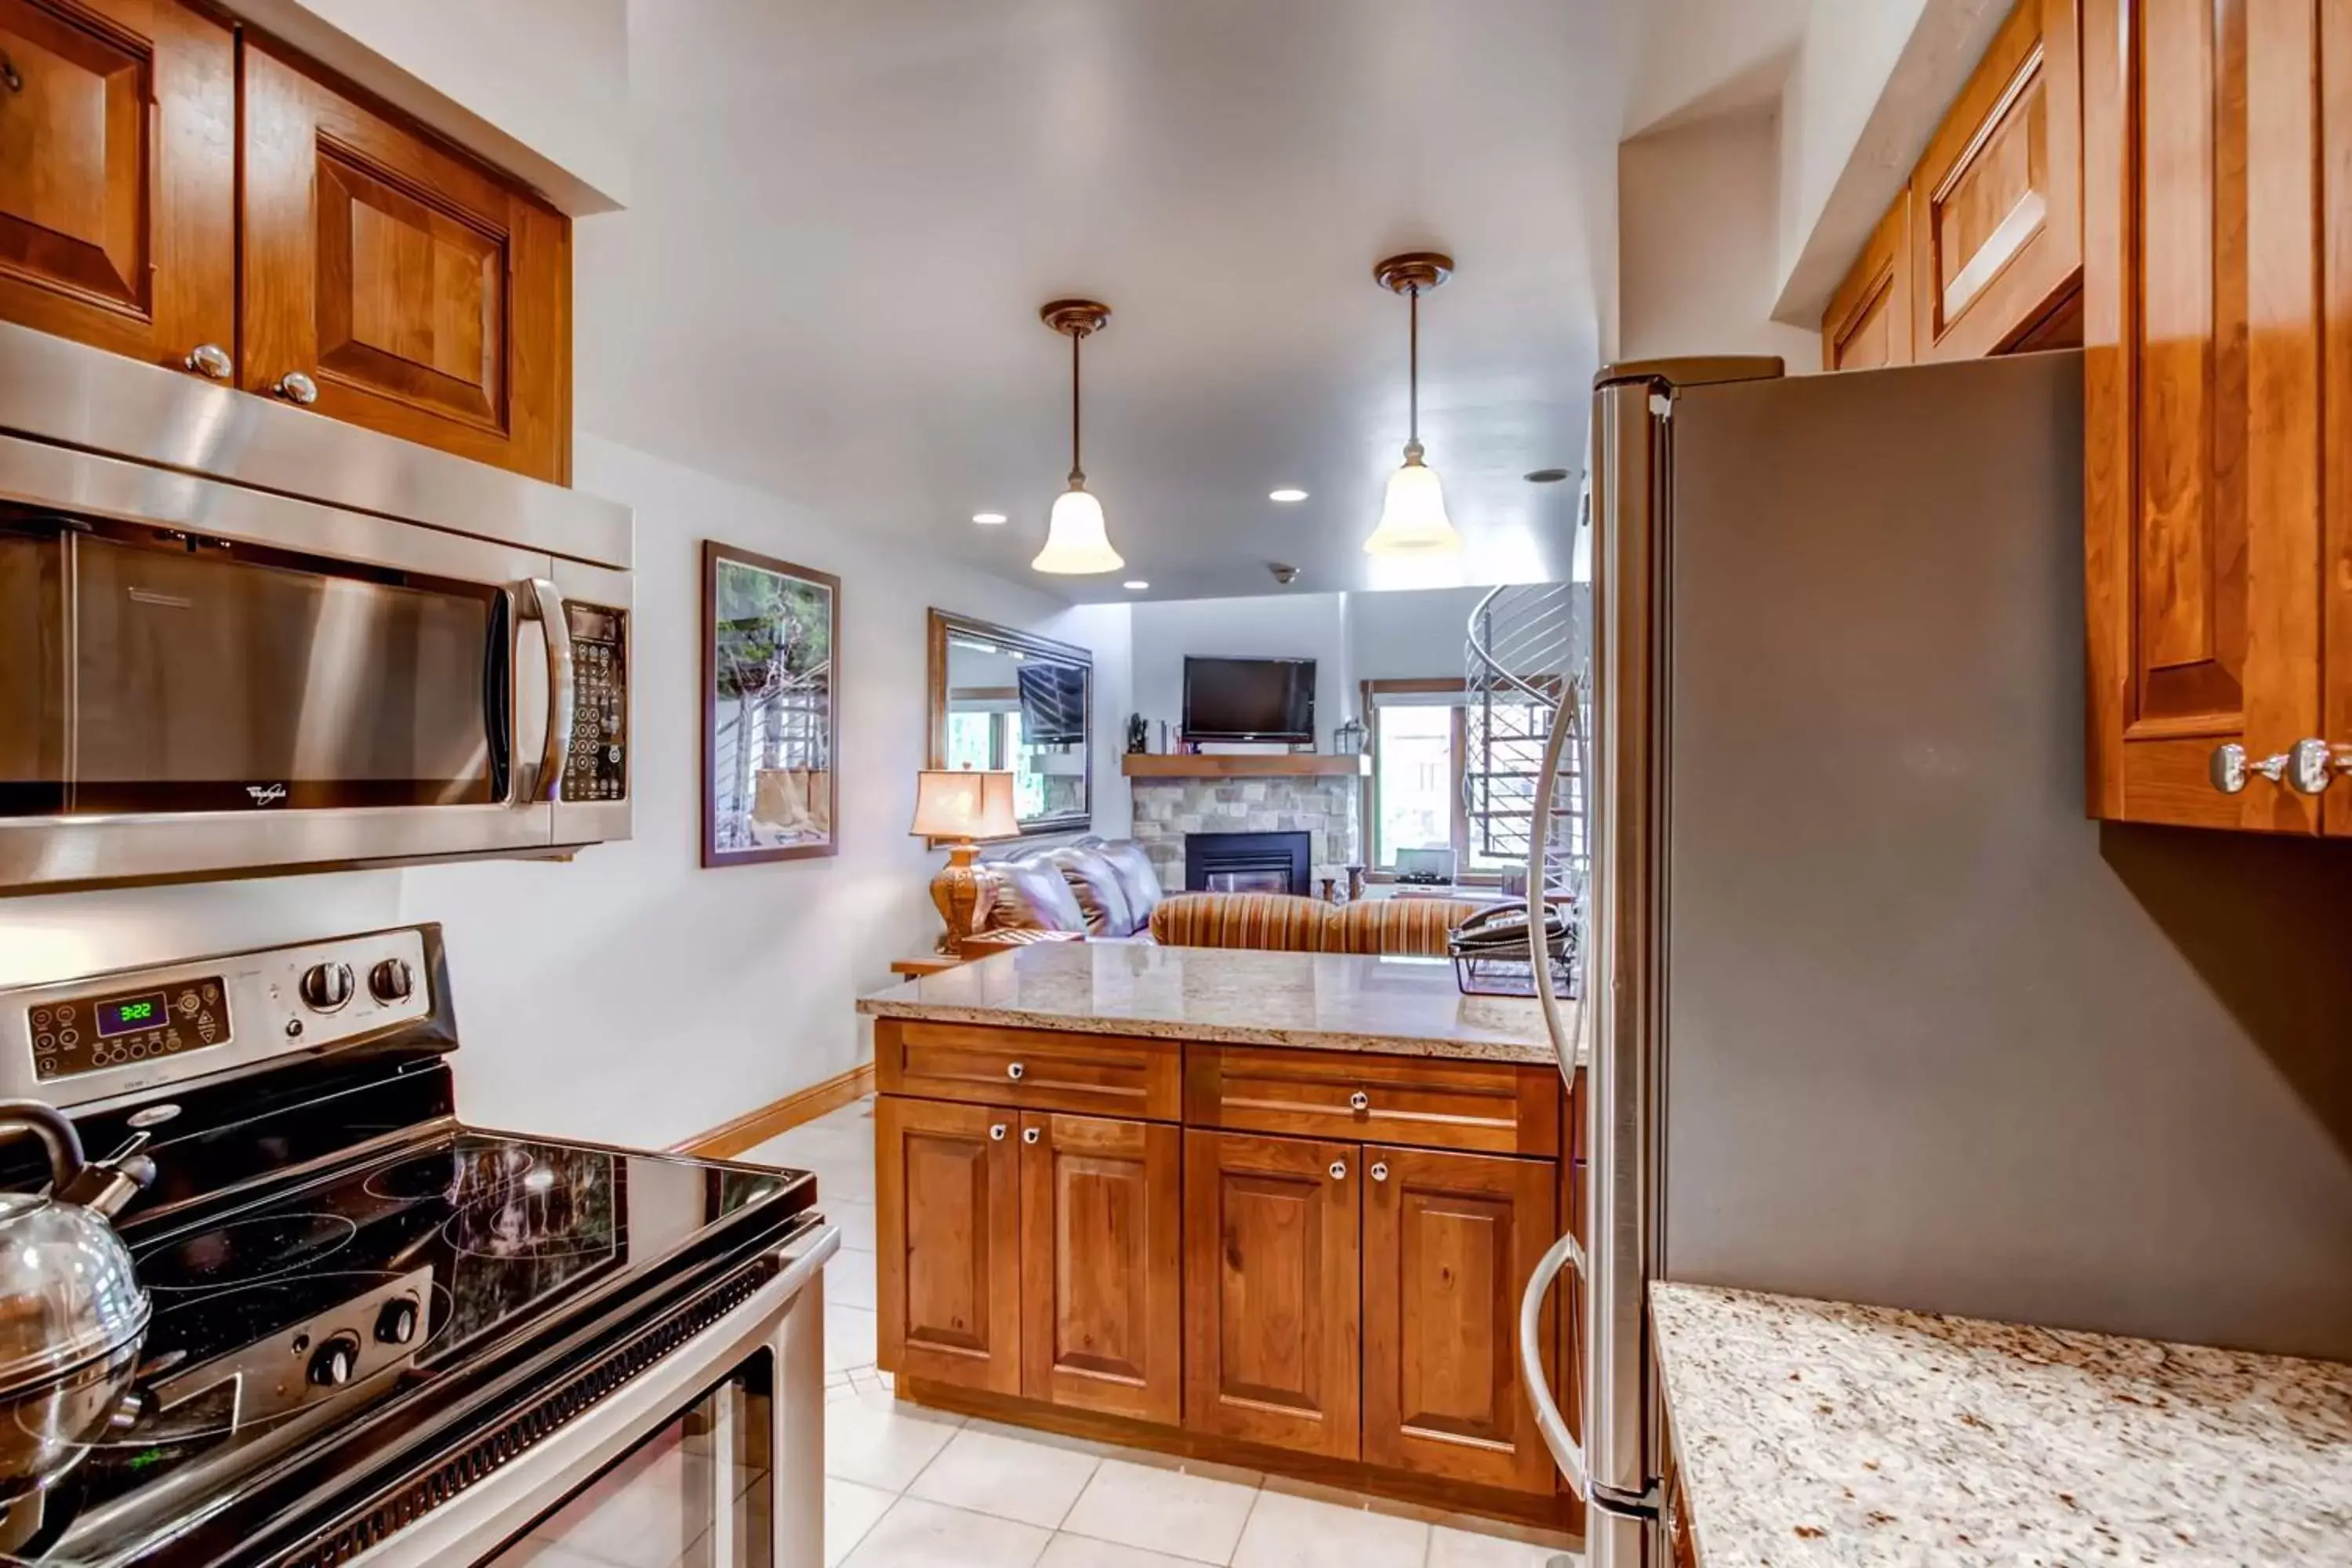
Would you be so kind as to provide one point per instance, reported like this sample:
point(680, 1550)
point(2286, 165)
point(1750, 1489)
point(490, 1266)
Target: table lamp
point(964, 807)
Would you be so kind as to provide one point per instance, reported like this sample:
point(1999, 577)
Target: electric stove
point(380, 1333)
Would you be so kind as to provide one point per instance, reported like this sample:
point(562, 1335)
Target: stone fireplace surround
point(1327, 808)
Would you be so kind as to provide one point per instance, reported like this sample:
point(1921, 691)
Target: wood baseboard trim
point(1560, 1513)
point(754, 1128)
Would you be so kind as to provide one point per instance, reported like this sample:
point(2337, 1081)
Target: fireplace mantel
point(1243, 765)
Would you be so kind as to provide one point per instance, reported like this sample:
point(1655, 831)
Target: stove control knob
point(335, 1362)
point(392, 981)
point(397, 1324)
point(326, 986)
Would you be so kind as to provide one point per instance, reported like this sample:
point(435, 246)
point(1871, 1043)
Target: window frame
point(1458, 813)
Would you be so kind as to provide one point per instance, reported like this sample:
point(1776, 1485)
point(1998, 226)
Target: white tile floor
point(909, 1488)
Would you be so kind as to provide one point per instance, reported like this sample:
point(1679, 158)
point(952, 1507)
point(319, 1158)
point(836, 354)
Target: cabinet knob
point(211, 361)
point(2303, 768)
point(1029, 1135)
point(1379, 1170)
point(296, 387)
point(1338, 1170)
point(1359, 1100)
point(996, 1132)
point(1014, 1071)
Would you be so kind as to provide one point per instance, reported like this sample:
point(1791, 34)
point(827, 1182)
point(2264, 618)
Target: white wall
point(539, 87)
point(1409, 636)
point(635, 996)
point(1274, 626)
point(1698, 218)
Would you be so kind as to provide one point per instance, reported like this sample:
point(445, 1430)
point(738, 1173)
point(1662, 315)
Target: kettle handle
point(48, 1124)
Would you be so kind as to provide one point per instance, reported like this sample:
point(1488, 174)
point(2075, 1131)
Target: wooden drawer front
point(1478, 1107)
point(1039, 1069)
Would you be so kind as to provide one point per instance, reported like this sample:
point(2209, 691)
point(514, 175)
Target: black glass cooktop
point(284, 1323)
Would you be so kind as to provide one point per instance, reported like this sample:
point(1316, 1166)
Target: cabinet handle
point(1379, 1170)
point(1014, 1072)
point(1338, 1170)
point(2302, 767)
point(1029, 1135)
point(296, 387)
point(996, 1132)
point(1359, 1100)
point(211, 361)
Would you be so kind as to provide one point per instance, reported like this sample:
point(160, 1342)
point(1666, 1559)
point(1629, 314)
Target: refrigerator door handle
point(1566, 1451)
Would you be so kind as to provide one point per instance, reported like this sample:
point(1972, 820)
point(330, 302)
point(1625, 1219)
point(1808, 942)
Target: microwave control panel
point(597, 766)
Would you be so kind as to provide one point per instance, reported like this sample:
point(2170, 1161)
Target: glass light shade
point(950, 803)
point(1076, 540)
point(1413, 520)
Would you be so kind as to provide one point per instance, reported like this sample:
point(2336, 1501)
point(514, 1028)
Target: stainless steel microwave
point(238, 639)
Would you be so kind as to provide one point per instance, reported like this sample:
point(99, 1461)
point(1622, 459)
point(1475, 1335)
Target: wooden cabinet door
point(1450, 1241)
point(1868, 324)
point(421, 295)
point(1998, 198)
point(118, 175)
point(948, 1213)
point(1102, 1309)
point(1272, 1348)
point(2202, 402)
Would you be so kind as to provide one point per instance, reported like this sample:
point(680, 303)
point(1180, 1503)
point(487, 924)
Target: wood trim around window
point(1420, 686)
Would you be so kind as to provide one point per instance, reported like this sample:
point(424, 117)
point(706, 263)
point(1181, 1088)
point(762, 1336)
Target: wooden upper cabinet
point(1449, 1242)
point(1102, 1265)
point(118, 175)
point(1997, 199)
point(2207, 274)
point(948, 1211)
point(1272, 1239)
point(1868, 326)
point(420, 294)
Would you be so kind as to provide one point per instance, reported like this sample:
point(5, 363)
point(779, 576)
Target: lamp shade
point(1413, 520)
point(1077, 543)
point(963, 804)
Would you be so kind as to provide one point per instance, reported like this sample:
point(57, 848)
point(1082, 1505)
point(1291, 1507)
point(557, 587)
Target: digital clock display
point(129, 1015)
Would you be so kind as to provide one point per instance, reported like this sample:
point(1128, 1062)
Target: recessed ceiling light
point(988, 518)
point(1286, 493)
point(1546, 476)
point(1135, 585)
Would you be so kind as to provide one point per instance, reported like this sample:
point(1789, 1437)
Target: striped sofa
point(1282, 922)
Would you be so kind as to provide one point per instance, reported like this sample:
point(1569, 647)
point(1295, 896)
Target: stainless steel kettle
point(72, 1311)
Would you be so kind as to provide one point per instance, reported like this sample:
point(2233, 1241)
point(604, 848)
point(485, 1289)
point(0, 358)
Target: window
point(1446, 776)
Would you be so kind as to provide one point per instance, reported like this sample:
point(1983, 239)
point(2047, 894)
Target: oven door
point(713, 1458)
point(199, 679)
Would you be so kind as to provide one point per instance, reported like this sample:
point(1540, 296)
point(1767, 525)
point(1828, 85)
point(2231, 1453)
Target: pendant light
point(1075, 541)
point(1413, 518)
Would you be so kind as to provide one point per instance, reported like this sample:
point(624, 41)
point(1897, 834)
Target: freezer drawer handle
point(1566, 1451)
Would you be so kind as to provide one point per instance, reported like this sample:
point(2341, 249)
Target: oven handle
point(540, 600)
point(483, 1518)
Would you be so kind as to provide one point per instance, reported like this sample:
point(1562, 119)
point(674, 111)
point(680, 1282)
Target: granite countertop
point(1819, 1433)
point(1407, 1006)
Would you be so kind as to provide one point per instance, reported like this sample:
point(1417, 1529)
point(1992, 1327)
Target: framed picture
point(770, 664)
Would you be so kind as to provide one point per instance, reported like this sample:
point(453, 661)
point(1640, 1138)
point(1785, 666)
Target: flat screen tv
point(1249, 700)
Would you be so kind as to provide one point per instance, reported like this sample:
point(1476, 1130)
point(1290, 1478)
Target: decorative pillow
point(1095, 883)
point(1400, 928)
point(1030, 894)
point(1273, 922)
point(1136, 878)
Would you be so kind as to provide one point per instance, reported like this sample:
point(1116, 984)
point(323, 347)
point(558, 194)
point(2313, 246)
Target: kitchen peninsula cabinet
point(117, 177)
point(183, 190)
point(1294, 1243)
point(2218, 506)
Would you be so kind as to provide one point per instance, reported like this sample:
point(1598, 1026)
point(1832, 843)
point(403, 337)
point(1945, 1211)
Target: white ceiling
point(845, 214)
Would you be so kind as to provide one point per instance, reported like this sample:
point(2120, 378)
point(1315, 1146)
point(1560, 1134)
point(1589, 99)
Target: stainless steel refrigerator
point(1875, 1012)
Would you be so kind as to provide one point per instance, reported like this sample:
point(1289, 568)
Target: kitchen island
point(1272, 1209)
point(1823, 1435)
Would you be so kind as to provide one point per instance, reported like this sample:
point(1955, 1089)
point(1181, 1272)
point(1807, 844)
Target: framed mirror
point(1014, 700)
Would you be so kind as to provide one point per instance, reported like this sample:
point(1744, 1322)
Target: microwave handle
point(541, 601)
